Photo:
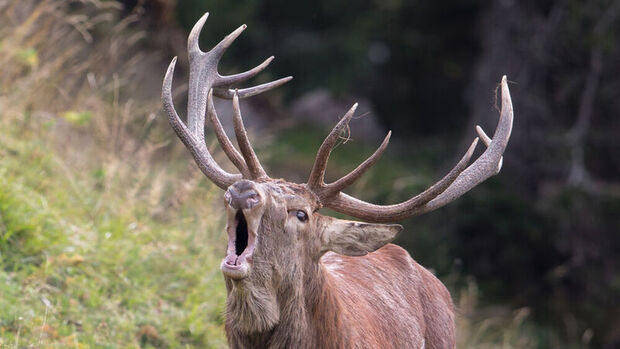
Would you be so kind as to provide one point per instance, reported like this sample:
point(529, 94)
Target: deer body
point(296, 278)
point(381, 300)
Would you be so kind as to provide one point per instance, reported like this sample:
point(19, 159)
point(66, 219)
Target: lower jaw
point(235, 272)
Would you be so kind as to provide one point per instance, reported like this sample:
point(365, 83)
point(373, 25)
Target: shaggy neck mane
point(304, 314)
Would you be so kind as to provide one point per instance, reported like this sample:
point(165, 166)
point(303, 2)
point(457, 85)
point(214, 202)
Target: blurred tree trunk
point(561, 58)
point(515, 42)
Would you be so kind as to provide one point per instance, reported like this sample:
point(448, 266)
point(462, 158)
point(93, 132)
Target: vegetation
point(100, 245)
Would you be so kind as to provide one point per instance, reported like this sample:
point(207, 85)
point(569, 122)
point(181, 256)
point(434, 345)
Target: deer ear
point(351, 238)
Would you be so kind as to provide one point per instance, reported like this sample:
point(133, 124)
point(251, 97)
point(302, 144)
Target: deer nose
point(241, 199)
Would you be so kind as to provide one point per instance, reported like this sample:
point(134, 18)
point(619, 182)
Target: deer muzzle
point(241, 200)
point(245, 207)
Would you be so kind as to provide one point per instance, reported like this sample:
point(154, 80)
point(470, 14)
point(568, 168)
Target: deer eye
point(302, 216)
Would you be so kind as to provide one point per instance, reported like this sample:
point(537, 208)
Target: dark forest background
point(540, 240)
point(545, 232)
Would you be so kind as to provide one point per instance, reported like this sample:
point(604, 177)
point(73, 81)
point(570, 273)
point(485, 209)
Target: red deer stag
point(296, 278)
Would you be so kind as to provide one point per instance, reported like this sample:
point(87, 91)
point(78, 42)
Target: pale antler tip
point(239, 30)
point(472, 147)
point(507, 113)
point(505, 92)
point(386, 140)
point(483, 135)
point(223, 45)
point(166, 89)
point(168, 76)
point(192, 40)
point(347, 117)
point(351, 111)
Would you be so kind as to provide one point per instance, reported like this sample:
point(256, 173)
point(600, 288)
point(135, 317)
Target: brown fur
point(299, 294)
point(381, 300)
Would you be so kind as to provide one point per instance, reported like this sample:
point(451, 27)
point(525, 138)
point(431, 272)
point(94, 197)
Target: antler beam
point(457, 182)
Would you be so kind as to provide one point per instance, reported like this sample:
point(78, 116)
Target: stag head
point(275, 233)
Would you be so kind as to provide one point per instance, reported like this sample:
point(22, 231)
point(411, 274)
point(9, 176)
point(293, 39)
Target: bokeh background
point(111, 237)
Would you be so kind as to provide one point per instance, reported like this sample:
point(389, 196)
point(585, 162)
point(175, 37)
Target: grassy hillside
point(101, 255)
point(99, 243)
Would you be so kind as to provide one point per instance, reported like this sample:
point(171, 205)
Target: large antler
point(456, 183)
point(204, 82)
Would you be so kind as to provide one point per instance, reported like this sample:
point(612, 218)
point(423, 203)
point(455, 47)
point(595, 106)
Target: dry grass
point(492, 328)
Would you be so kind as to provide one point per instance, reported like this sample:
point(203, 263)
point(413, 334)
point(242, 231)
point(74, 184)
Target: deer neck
point(298, 315)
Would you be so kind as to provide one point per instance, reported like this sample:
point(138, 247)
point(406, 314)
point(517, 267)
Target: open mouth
point(241, 240)
point(241, 243)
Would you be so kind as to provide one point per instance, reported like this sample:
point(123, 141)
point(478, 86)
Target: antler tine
point(219, 49)
point(364, 210)
point(199, 150)
point(254, 166)
point(194, 35)
point(489, 163)
point(227, 80)
point(200, 80)
point(458, 181)
point(351, 177)
point(227, 93)
point(316, 178)
point(225, 142)
point(222, 83)
point(486, 140)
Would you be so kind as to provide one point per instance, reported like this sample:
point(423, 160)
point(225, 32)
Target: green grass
point(102, 244)
point(82, 265)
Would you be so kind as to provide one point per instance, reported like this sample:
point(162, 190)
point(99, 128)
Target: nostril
point(252, 201)
point(242, 200)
